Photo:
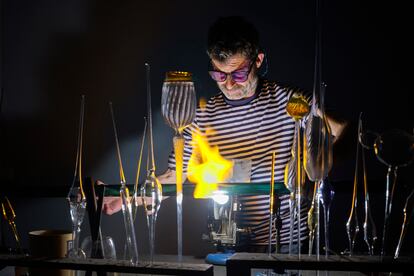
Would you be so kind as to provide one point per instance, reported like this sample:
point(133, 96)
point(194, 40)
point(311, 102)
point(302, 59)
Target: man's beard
point(242, 91)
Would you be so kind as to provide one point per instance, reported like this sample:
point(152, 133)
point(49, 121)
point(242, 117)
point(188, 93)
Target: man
point(249, 121)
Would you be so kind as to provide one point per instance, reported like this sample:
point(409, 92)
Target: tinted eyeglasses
point(240, 75)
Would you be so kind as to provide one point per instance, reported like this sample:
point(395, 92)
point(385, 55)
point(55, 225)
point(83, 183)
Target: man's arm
point(337, 125)
point(113, 204)
point(168, 177)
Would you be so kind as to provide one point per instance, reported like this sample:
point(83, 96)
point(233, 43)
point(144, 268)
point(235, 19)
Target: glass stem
point(408, 213)
point(292, 217)
point(152, 238)
point(388, 204)
point(179, 150)
point(317, 211)
point(326, 228)
point(75, 236)
point(129, 226)
point(298, 184)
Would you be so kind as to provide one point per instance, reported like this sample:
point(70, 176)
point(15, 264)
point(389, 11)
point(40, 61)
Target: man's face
point(237, 90)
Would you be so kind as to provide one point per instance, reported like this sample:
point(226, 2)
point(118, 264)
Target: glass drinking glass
point(107, 244)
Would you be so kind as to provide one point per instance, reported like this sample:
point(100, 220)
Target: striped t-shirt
point(252, 130)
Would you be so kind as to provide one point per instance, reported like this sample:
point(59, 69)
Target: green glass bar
point(229, 188)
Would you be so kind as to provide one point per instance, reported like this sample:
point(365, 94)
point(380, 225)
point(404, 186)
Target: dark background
point(54, 51)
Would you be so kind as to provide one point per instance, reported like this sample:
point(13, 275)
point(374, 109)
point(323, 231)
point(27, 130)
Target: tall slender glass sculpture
point(126, 199)
point(317, 146)
point(178, 105)
point(370, 231)
point(317, 155)
point(297, 107)
point(352, 224)
point(76, 196)
point(151, 185)
point(395, 149)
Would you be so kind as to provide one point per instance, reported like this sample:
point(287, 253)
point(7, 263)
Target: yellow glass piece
point(297, 106)
point(178, 76)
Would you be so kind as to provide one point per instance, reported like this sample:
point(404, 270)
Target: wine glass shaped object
point(178, 105)
point(297, 107)
point(76, 196)
point(395, 149)
point(317, 158)
point(106, 244)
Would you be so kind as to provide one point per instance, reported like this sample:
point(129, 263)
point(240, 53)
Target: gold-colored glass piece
point(297, 106)
point(178, 76)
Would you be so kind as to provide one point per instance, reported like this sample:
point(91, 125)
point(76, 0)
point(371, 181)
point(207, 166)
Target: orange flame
point(206, 167)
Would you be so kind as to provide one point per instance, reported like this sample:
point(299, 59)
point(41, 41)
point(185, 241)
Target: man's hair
point(232, 35)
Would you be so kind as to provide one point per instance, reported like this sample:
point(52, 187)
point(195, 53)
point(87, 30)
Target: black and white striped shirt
point(252, 130)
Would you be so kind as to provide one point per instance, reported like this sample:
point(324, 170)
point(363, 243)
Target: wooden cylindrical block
point(51, 244)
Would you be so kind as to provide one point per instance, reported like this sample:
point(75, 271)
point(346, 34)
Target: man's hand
point(113, 204)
